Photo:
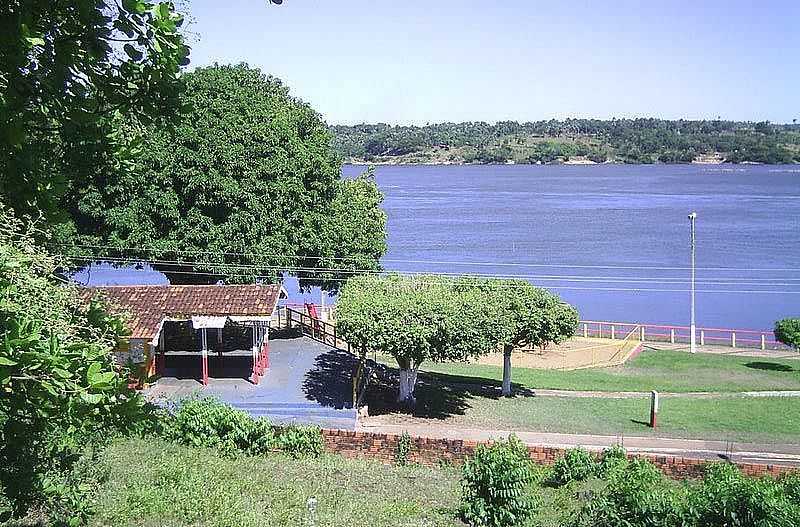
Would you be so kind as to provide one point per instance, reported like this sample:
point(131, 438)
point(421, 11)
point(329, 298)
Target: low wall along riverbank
point(434, 451)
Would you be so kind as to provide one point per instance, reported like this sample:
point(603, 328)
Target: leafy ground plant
point(575, 465)
point(494, 485)
point(404, 445)
point(301, 441)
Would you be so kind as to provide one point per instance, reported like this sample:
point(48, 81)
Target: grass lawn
point(751, 419)
point(153, 484)
point(467, 396)
point(662, 370)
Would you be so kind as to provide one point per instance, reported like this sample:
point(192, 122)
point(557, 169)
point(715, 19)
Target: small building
point(202, 317)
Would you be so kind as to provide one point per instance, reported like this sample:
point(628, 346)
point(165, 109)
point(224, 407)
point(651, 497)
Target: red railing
point(735, 338)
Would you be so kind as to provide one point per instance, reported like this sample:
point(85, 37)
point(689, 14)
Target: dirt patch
point(575, 353)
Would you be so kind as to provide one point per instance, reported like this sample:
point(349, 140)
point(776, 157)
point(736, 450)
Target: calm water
point(606, 238)
point(549, 222)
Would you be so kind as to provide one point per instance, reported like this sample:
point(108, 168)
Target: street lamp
point(692, 339)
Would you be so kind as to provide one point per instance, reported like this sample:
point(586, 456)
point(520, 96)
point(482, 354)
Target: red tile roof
point(148, 305)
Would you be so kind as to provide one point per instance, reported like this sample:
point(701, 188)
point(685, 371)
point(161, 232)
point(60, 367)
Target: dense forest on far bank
point(571, 141)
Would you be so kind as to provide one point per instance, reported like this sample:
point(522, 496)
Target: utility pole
point(692, 339)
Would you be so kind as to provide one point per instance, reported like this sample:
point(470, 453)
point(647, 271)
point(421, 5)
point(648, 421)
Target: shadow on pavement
point(439, 395)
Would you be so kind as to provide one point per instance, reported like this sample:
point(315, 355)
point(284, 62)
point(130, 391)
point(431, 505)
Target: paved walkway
point(690, 448)
point(304, 383)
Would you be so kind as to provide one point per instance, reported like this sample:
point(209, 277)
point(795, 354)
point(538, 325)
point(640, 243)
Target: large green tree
point(528, 317)
point(69, 71)
point(415, 319)
point(243, 184)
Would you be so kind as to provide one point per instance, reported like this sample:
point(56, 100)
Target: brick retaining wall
point(430, 451)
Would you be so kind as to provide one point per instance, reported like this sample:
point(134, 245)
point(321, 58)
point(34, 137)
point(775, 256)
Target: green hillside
point(572, 140)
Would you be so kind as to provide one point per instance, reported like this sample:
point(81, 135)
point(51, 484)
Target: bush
point(61, 393)
point(791, 486)
point(494, 484)
point(788, 332)
point(404, 444)
point(613, 461)
point(301, 441)
point(728, 497)
point(209, 423)
point(639, 495)
point(576, 465)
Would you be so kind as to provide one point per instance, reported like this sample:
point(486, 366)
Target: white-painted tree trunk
point(408, 380)
point(507, 371)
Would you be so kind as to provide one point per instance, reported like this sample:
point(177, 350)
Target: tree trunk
point(507, 370)
point(408, 381)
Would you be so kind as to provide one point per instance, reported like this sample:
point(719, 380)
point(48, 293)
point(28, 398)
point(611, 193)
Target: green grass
point(662, 370)
point(467, 396)
point(751, 419)
point(153, 483)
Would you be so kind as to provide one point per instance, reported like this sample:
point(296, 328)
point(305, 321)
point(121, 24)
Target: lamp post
point(692, 339)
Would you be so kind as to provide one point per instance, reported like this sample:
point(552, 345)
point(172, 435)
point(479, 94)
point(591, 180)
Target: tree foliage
point(69, 71)
point(618, 140)
point(441, 319)
point(244, 183)
point(524, 316)
point(413, 319)
point(58, 386)
point(787, 331)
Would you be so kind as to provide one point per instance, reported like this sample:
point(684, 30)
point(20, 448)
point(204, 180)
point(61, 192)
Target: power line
point(431, 262)
point(765, 282)
point(514, 286)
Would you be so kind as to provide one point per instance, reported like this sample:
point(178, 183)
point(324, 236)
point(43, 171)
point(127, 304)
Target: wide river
point(611, 239)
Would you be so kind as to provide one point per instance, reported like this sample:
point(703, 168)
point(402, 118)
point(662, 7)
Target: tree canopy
point(413, 319)
point(442, 319)
point(527, 316)
point(69, 72)
point(616, 140)
point(242, 184)
point(787, 331)
point(60, 393)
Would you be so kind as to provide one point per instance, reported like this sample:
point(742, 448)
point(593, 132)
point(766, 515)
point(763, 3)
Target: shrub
point(494, 484)
point(639, 495)
point(788, 332)
point(791, 486)
point(728, 497)
point(404, 444)
point(207, 422)
point(613, 461)
point(61, 393)
point(576, 465)
point(301, 441)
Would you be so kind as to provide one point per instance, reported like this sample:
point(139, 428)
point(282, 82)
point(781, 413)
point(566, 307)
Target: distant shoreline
point(363, 162)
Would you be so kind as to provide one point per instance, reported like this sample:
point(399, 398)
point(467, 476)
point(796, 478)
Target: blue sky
point(418, 61)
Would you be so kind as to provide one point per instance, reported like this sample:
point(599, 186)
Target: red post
point(255, 377)
point(205, 368)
